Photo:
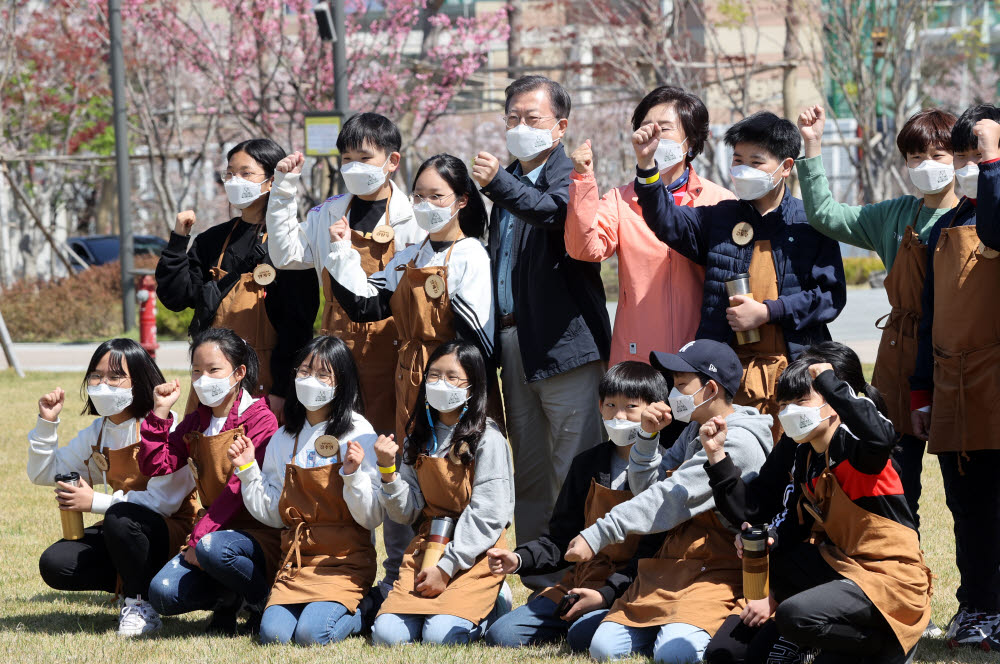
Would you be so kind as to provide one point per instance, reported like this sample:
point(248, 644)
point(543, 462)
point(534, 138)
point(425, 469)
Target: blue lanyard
point(430, 421)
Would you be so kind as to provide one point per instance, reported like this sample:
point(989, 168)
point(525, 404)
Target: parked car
point(101, 249)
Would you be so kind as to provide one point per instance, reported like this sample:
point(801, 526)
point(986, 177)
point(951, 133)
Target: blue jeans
point(535, 623)
point(316, 623)
point(673, 643)
point(392, 629)
point(232, 571)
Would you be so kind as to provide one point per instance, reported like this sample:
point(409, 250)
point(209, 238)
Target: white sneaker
point(505, 600)
point(137, 618)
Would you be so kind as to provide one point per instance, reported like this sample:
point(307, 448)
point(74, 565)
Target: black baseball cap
point(716, 360)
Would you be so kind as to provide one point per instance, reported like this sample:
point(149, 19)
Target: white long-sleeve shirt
point(164, 494)
point(470, 285)
point(262, 487)
point(295, 246)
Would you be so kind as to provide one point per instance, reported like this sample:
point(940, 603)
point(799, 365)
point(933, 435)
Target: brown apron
point(471, 594)
point(374, 345)
point(695, 578)
point(123, 474)
point(966, 338)
point(594, 573)
point(765, 360)
point(880, 555)
point(211, 469)
point(329, 557)
point(242, 310)
point(897, 351)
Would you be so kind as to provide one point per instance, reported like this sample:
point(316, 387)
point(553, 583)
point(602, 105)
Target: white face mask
point(212, 391)
point(109, 400)
point(362, 179)
point(669, 153)
point(444, 397)
point(313, 393)
point(242, 193)
point(931, 177)
point(682, 405)
point(622, 432)
point(432, 218)
point(526, 142)
point(751, 183)
point(968, 179)
point(798, 421)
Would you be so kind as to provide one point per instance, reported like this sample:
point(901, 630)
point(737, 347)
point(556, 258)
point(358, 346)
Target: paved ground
point(855, 327)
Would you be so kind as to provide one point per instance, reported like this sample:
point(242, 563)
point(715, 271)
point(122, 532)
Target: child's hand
point(739, 540)
point(758, 611)
point(713, 439)
point(431, 582)
point(645, 140)
point(921, 421)
point(165, 396)
point(745, 313)
point(811, 122)
point(291, 164)
point(340, 230)
point(578, 550)
point(75, 498)
point(386, 450)
point(50, 405)
point(241, 452)
point(355, 455)
point(816, 369)
point(185, 222)
point(190, 558)
point(502, 561)
point(988, 133)
point(590, 600)
point(484, 168)
point(656, 417)
point(583, 159)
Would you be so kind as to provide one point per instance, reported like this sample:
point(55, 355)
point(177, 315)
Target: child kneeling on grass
point(456, 464)
point(685, 592)
point(597, 481)
point(847, 576)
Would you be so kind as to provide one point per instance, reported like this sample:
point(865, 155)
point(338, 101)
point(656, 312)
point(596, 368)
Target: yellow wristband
point(650, 180)
point(244, 467)
point(387, 470)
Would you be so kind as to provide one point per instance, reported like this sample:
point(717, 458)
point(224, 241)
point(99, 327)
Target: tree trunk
point(789, 83)
point(514, 40)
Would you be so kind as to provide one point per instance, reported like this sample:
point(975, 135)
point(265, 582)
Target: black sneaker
point(970, 628)
point(223, 623)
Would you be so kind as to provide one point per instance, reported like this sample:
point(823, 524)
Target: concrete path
point(74, 357)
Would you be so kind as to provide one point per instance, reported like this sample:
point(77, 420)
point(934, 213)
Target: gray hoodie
point(662, 505)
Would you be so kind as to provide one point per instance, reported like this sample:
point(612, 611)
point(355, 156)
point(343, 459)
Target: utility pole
point(127, 252)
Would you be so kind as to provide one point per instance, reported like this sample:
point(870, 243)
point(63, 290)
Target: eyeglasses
point(434, 199)
point(114, 380)
point(513, 119)
point(322, 376)
point(451, 378)
point(226, 176)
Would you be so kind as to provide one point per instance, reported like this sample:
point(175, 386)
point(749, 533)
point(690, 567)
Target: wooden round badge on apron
point(328, 556)
point(882, 556)
point(765, 360)
point(212, 469)
point(374, 345)
point(966, 338)
point(594, 573)
point(695, 578)
point(897, 351)
point(121, 473)
point(470, 594)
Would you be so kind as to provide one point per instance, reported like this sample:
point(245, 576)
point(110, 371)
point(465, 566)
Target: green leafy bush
point(172, 325)
point(858, 269)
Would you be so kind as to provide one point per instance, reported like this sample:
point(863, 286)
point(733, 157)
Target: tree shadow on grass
point(96, 599)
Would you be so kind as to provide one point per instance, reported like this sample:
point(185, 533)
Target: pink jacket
point(659, 299)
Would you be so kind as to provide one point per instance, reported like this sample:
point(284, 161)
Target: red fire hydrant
point(146, 294)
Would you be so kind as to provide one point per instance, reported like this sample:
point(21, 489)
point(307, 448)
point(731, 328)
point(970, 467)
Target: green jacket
point(878, 227)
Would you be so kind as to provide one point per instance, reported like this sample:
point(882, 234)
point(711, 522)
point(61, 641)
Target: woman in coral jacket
point(652, 276)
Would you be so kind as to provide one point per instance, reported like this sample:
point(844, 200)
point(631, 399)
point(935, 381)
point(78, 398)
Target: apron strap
point(225, 245)
point(301, 528)
point(916, 215)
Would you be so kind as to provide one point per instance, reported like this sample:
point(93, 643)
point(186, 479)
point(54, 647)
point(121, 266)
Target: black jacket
point(545, 554)
point(183, 281)
point(562, 317)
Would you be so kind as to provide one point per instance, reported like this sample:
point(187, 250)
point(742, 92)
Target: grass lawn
point(41, 625)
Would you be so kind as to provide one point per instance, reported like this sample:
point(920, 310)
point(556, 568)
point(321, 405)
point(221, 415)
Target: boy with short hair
point(382, 223)
point(684, 593)
point(954, 391)
point(597, 481)
point(796, 275)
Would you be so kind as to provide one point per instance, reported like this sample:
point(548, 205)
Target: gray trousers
point(549, 422)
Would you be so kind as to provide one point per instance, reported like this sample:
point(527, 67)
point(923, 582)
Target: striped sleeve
point(472, 297)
